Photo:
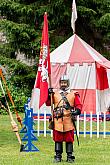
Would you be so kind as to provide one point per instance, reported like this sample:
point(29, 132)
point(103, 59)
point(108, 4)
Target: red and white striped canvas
point(88, 70)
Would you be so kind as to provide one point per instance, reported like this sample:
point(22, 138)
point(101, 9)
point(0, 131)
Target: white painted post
point(38, 124)
point(104, 124)
point(97, 124)
point(90, 124)
point(78, 125)
point(44, 122)
point(51, 133)
point(84, 124)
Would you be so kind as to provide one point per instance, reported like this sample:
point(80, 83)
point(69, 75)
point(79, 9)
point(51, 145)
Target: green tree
point(94, 22)
point(24, 18)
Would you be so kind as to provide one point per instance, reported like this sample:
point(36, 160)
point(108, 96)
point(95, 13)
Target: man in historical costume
point(66, 105)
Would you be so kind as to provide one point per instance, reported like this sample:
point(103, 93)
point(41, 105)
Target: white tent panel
point(102, 100)
point(82, 76)
point(108, 75)
point(35, 100)
point(72, 72)
point(61, 54)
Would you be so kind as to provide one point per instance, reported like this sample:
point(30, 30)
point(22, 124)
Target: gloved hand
point(50, 91)
point(75, 112)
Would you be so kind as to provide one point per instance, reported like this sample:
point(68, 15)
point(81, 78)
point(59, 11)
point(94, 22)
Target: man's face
point(63, 84)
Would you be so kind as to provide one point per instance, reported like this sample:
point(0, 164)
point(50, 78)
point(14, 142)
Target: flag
point(73, 16)
point(41, 82)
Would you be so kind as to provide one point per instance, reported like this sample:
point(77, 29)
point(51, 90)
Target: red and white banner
point(41, 82)
point(74, 15)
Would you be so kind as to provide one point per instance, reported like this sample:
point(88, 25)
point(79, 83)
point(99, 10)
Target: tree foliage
point(24, 18)
point(18, 74)
point(20, 81)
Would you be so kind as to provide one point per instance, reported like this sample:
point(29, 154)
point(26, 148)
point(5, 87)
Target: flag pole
point(51, 96)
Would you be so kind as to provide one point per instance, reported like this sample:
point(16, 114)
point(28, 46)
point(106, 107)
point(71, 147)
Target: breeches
point(63, 136)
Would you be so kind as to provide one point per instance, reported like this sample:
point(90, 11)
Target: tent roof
point(75, 50)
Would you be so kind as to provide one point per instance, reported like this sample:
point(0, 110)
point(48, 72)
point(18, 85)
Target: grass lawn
point(90, 152)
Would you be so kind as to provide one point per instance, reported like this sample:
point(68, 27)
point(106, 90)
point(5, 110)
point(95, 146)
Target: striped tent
point(88, 70)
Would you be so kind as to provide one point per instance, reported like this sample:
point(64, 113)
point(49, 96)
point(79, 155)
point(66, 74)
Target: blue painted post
point(24, 130)
point(29, 136)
